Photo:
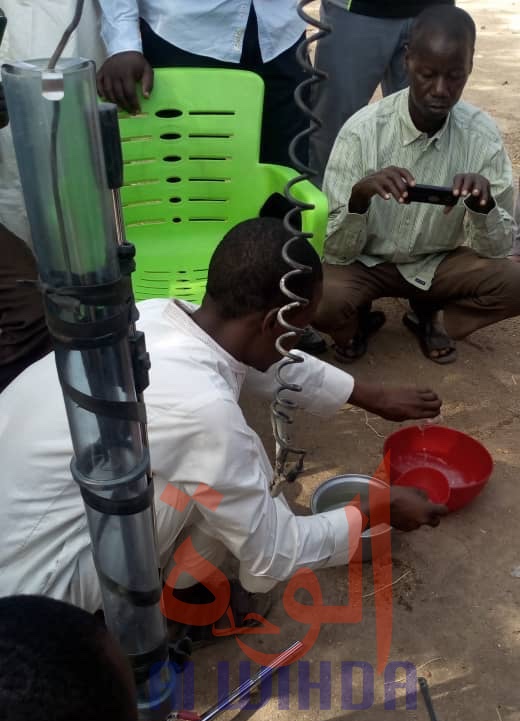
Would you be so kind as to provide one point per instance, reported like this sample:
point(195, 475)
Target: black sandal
point(241, 605)
point(369, 323)
point(430, 339)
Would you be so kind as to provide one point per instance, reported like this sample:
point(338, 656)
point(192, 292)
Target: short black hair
point(447, 20)
point(54, 664)
point(245, 270)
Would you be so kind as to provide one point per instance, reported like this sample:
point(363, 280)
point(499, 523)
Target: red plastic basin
point(464, 461)
point(433, 482)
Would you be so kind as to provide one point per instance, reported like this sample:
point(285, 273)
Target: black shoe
point(312, 342)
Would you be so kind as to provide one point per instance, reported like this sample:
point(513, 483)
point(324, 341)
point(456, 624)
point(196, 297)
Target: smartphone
point(435, 194)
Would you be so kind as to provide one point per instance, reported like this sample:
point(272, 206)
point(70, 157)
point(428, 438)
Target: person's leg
point(84, 589)
point(344, 311)
point(395, 77)
point(282, 118)
point(201, 584)
point(24, 337)
point(355, 56)
point(476, 291)
point(209, 554)
point(468, 292)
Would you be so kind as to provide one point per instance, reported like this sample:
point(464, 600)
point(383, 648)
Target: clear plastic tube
point(55, 126)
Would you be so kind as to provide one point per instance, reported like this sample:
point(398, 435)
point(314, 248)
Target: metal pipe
point(423, 685)
point(245, 688)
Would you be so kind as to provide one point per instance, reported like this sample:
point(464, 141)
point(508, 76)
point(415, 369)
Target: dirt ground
point(456, 613)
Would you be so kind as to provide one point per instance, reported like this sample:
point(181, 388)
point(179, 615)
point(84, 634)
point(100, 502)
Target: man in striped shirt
point(366, 48)
point(450, 263)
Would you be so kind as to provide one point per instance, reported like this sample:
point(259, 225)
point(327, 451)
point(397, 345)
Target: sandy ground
point(456, 613)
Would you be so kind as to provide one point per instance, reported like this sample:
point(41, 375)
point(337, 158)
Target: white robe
point(202, 451)
point(34, 28)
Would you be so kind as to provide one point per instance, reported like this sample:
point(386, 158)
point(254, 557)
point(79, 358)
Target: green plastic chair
point(191, 172)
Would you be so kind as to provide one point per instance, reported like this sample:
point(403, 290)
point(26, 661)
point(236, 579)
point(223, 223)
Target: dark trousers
point(282, 119)
point(473, 292)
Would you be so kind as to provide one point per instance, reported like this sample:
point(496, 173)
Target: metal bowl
point(338, 491)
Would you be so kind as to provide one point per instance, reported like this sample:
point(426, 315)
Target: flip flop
point(429, 341)
point(370, 323)
point(242, 604)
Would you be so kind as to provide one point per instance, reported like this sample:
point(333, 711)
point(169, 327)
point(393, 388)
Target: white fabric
point(197, 435)
point(214, 28)
point(33, 30)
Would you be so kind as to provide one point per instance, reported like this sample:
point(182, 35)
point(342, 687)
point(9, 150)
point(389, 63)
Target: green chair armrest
point(315, 220)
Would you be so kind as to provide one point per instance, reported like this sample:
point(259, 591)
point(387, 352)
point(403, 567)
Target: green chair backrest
point(191, 172)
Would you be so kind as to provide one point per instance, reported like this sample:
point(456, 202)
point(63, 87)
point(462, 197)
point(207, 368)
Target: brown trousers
point(473, 292)
point(24, 337)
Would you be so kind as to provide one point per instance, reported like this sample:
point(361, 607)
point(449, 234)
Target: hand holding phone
point(475, 190)
point(391, 182)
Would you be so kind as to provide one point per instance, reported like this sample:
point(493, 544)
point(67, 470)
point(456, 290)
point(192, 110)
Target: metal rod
point(423, 685)
point(66, 35)
point(238, 693)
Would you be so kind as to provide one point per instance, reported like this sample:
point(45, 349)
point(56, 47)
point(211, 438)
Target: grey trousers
point(360, 53)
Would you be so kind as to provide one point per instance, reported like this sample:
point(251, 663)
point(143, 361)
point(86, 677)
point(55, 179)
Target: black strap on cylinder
point(122, 507)
point(89, 335)
point(117, 292)
point(121, 410)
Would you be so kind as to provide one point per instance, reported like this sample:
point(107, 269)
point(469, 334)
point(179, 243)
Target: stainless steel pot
point(336, 492)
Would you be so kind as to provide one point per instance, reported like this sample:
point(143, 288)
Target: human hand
point(410, 509)
point(475, 190)
point(396, 404)
point(391, 182)
point(404, 404)
point(4, 117)
point(118, 77)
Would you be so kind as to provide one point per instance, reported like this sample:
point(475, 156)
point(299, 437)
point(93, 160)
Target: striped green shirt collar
point(409, 133)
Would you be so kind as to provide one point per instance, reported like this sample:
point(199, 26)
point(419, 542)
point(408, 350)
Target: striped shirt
point(416, 237)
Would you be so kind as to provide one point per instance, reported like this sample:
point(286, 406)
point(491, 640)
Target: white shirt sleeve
point(120, 26)
point(262, 532)
point(325, 388)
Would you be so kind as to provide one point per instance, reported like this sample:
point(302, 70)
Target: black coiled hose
point(282, 407)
